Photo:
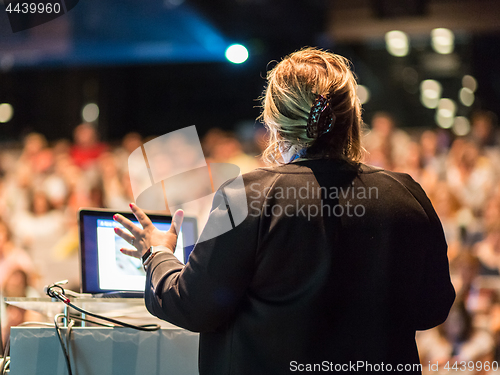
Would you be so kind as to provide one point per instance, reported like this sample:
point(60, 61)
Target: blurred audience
point(43, 185)
point(456, 340)
point(11, 257)
point(87, 147)
point(386, 144)
point(223, 147)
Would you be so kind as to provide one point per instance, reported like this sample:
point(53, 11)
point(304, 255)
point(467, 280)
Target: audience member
point(87, 147)
point(386, 144)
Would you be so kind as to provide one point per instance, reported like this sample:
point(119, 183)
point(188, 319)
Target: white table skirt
point(104, 351)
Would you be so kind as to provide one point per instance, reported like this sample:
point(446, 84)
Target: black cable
point(68, 336)
point(79, 318)
point(63, 347)
point(60, 295)
point(145, 327)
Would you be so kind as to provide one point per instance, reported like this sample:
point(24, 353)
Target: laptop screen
point(104, 268)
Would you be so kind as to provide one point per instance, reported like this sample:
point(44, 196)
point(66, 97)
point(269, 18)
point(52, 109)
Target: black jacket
point(290, 290)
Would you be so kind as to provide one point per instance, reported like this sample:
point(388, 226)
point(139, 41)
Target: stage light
point(444, 122)
point(90, 112)
point(363, 94)
point(447, 107)
point(430, 93)
point(445, 113)
point(397, 43)
point(466, 96)
point(442, 40)
point(237, 53)
point(469, 82)
point(6, 112)
point(461, 126)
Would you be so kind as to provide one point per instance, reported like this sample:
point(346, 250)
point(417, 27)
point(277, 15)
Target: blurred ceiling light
point(430, 93)
point(237, 53)
point(461, 126)
point(446, 107)
point(397, 43)
point(442, 40)
point(363, 94)
point(445, 113)
point(469, 82)
point(6, 112)
point(444, 122)
point(466, 96)
point(90, 112)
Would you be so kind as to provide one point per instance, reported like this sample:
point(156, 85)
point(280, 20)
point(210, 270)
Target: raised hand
point(143, 238)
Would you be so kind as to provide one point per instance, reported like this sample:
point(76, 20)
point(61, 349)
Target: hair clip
point(321, 118)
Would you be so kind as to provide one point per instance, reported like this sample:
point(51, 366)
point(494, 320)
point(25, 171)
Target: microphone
point(51, 291)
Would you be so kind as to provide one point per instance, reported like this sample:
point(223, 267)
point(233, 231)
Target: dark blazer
point(287, 290)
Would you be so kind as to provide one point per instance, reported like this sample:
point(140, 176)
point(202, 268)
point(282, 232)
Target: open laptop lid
point(104, 269)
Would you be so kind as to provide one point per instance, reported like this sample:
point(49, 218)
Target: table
point(102, 350)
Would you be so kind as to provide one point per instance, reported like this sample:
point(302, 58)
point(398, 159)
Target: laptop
point(105, 271)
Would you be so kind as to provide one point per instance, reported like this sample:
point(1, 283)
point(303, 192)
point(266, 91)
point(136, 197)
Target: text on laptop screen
point(104, 267)
point(118, 271)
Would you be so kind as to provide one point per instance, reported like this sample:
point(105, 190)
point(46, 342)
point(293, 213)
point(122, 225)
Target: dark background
point(154, 92)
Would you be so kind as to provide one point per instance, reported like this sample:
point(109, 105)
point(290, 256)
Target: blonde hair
point(293, 86)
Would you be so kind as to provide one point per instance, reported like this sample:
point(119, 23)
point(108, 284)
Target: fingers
point(126, 236)
point(140, 215)
point(132, 253)
point(177, 220)
point(127, 224)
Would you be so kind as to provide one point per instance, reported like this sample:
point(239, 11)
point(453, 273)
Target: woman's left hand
point(143, 238)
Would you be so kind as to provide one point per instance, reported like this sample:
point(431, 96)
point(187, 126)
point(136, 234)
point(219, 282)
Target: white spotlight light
point(445, 113)
point(90, 112)
point(461, 126)
point(6, 112)
point(237, 53)
point(430, 93)
point(442, 40)
point(397, 43)
point(469, 82)
point(363, 94)
point(444, 122)
point(447, 107)
point(466, 96)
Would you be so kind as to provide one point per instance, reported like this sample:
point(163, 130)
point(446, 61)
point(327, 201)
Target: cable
point(79, 318)
point(5, 365)
point(63, 347)
point(60, 295)
point(57, 291)
point(6, 352)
